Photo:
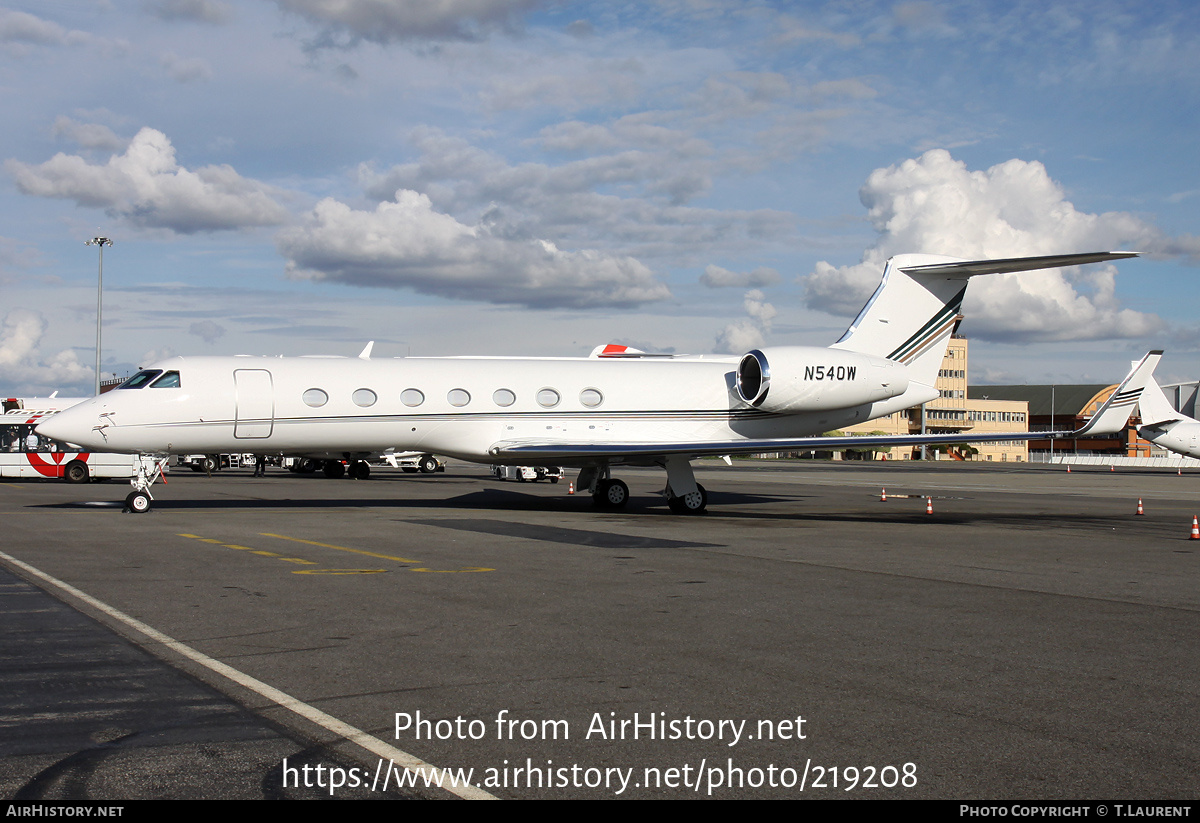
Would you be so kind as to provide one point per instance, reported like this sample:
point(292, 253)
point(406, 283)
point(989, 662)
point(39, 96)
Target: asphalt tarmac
point(1032, 638)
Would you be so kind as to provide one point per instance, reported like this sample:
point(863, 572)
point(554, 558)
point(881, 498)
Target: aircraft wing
point(552, 450)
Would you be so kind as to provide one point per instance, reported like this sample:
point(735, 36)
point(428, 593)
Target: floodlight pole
point(101, 242)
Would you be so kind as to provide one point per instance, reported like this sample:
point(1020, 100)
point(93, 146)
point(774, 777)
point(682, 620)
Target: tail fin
point(1113, 416)
point(1156, 410)
point(916, 307)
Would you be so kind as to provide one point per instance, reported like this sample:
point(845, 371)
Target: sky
point(450, 177)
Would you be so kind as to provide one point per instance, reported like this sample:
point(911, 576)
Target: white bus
point(23, 453)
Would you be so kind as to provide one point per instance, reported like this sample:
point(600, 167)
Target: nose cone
point(79, 425)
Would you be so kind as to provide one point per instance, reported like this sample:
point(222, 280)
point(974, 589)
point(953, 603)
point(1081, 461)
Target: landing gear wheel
point(76, 472)
point(611, 494)
point(138, 502)
point(307, 466)
point(360, 470)
point(428, 464)
point(334, 469)
point(694, 503)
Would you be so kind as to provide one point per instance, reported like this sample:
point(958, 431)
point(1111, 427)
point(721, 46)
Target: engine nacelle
point(802, 378)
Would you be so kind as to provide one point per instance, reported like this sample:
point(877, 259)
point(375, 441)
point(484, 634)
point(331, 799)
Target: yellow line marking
point(340, 571)
point(298, 560)
point(454, 571)
point(341, 548)
point(239, 548)
point(265, 554)
point(198, 537)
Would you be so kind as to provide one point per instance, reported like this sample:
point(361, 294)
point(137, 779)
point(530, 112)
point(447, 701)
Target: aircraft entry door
point(255, 404)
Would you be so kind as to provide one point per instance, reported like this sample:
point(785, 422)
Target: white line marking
point(328, 722)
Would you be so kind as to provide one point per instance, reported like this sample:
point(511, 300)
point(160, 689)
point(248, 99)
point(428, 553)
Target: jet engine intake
point(793, 379)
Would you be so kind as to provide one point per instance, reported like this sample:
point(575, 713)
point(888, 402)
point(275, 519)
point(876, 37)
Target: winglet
point(365, 354)
point(1113, 416)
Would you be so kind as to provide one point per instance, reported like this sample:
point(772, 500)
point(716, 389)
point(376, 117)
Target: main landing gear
point(138, 500)
point(684, 494)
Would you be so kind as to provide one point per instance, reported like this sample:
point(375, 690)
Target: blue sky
point(524, 177)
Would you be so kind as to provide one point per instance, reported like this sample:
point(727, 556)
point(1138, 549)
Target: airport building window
point(364, 397)
point(503, 397)
point(548, 398)
point(591, 398)
point(315, 398)
point(170, 380)
point(458, 397)
point(412, 397)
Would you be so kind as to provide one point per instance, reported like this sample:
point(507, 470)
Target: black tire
point(553, 479)
point(409, 469)
point(76, 472)
point(360, 470)
point(137, 502)
point(428, 464)
point(611, 494)
point(211, 464)
point(307, 466)
point(694, 503)
point(334, 469)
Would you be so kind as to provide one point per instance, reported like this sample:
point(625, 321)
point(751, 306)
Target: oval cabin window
point(548, 398)
point(591, 398)
point(412, 397)
point(458, 397)
point(364, 397)
point(503, 397)
point(315, 398)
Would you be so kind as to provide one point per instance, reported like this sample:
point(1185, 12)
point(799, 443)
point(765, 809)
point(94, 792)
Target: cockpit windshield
point(170, 380)
point(140, 379)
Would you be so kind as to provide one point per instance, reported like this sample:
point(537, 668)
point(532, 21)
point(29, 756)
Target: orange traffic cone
point(1068, 468)
point(1195, 529)
point(1139, 508)
point(929, 505)
point(1112, 468)
point(570, 488)
point(883, 495)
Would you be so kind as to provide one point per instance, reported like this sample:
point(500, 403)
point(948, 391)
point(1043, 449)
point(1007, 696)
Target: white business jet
point(616, 407)
point(1163, 426)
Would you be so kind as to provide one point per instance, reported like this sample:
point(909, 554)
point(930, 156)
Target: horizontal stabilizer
point(970, 268)
point(1113, 416)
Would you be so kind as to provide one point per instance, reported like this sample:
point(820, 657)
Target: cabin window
point(591, 398)
point(548, 398)
point(364, 397)
point(504, 397)
point(170, 380)
point(412, 397)
point(140, 379)
point(458, 397)
point(315, 398)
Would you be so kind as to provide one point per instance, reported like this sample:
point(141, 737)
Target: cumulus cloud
point(716, 277)
point(627, 201)
point(147, 187)
point(24, 28)
point(24, 366)
point(406, 244)
point(207, 330)
point(386, 21)
point(935, 205)
point(749, 332)
point(199, 11)
point(88, 135)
